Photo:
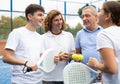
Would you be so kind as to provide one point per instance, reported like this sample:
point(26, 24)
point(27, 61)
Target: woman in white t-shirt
point(60, 40)
point(108, 43)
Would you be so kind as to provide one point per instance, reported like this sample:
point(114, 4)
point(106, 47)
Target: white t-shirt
point(26, 45)
point(110, 38)
point(62, 42)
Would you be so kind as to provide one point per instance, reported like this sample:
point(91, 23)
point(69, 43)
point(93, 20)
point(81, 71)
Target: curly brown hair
point(48, 20)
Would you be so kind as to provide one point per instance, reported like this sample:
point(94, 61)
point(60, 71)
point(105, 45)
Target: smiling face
point(101, 17)
point(109, 14)
point(89, 19)
point(36, 19)
point(57, 23)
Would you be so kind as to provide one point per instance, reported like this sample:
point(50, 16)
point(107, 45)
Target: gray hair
point(93, 9)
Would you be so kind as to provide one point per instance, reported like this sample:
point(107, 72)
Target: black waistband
point(52, 82)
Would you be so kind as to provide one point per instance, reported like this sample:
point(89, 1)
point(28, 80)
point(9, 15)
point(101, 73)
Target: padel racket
point(46, 62)
point(78, 73)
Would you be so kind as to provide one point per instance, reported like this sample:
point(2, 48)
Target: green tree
point(40, 30)
point(5, 22)
point(74, 30)
point(19, 21)
point(80, 11)
point(4, 27)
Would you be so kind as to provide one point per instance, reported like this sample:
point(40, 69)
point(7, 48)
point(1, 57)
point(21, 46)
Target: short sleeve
point(12, 40)
point(103, 41)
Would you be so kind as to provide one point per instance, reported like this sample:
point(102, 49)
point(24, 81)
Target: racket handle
point(29, 69)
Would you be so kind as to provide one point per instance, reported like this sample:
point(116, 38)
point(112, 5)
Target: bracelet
point(26, 63)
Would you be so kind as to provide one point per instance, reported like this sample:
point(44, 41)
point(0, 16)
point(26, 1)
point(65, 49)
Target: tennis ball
point(80, 57)
point(77, 57)
point(74, 56)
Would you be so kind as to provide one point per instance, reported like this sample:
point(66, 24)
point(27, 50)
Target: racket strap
point(26, 69)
